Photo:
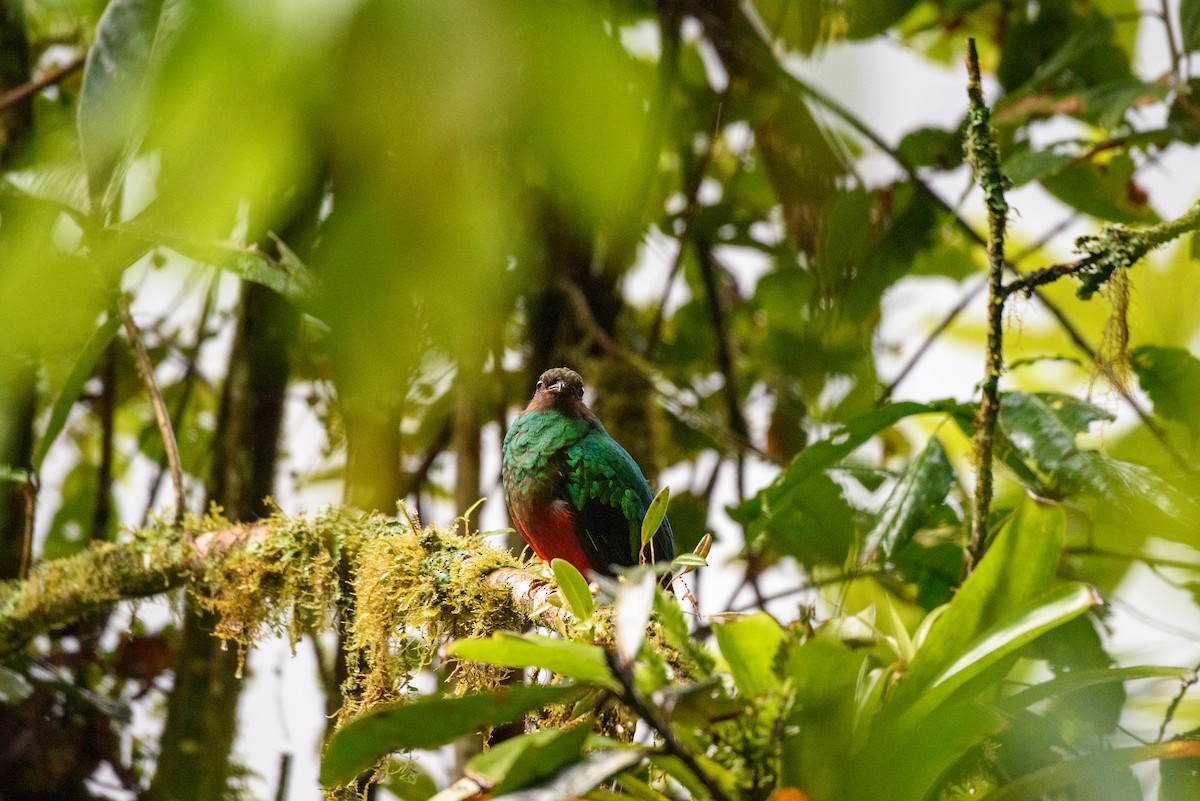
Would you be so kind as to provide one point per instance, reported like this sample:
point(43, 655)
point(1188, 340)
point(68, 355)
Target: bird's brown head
point(561, 389)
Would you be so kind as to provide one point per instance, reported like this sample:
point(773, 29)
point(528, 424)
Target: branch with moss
point(414, 587)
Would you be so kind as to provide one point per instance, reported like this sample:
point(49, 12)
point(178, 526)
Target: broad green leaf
point(1000, 642)
point(1070, 682)
point(14, 688)
point(1106, 191)
point(750, 645)
point(1179, 779)
point(1189, 24)
point(1171, 377)
point(816, 747)
point(527, 759)
point(1019, 567)
point(925, 483)
point(130, 38)
point(414, 785)
point(1028, 165)
point(429, 723)
point(579, 778)
point(654, 515)
point(635, 599)
point(576, 660)
point(73, 387)
point(1044, 782)
point(574, 588)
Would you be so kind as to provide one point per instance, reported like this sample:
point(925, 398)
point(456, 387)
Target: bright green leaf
point(429, 723)
point(528, 759)
point(1070, 682)
point(654, 515)
point(574, 588)
point(580, 777)
point(10, 473)
point(750, 644)
point(576, 660)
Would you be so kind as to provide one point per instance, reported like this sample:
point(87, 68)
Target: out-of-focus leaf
point(429, 723)
point(816, 747)
point(10, 473)
point(1189, 24)
point(925, 483)
point(73, 386)
point(527, 759)
point(1028, 165)
point(574, 588)
point(1018, 568)
point(414, 785)
point(130, 38)
point(635, 599)
point(14, 688)
point(579, 778)
point(750, 645)
point(932, 147)
point(64, 185)
point(576, 660)
point(1179, 779)
point(1104, 190)
point(1046, 781)
point(73, 521)
point(1171, 377)
point(1070, 682)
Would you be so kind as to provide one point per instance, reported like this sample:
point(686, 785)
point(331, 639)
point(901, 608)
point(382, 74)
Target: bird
point(572, 491)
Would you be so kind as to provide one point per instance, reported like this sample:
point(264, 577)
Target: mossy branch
point(985, 160)
point(414, 587)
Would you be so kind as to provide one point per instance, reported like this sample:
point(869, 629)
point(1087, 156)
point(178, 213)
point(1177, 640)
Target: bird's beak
point(557, 387)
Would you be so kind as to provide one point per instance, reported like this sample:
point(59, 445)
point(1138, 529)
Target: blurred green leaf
point(1104, 190)
point(414, 785)
point(923, 485)
point(1070, 682)
point(1044, 782)
point(576, 660)
point(1189, 24)
point(574, 588)
point(73, 387)
point(10, 473)
point(14, 688)
point(1179, 779)
point(654, 516)
point(579, 778)
point(429, 723)
point(750, 646)
point(130, 39)
point(1027, 165)
point(1171, 377)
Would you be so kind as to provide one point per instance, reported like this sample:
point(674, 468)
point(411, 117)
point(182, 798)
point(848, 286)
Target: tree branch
point(19, 93)
point(985, 158)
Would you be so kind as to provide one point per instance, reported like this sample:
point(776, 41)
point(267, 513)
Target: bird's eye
point(539, 384)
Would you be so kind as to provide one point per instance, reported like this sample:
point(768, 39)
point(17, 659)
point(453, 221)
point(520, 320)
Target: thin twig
point(1185, 684)
point(654, 719)
point(985, 159)
point(1027, 282)
point(19, 93)
point(146, 369)
point(30, 492)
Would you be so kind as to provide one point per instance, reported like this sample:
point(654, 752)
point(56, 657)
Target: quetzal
point(572, 491)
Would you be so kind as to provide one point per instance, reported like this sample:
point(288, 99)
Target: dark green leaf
point(1104, 190)
point(1028, 165)
point(429, 723)
point(749, 645)
point(1044, 782)
point(579, 778)
point(925, 483)
point(1171, 377)
point(1189, 24)
point(73, 387)
point(413, 785)
point(574, 588)
point(576, 660)
point(1070, 682)
point(1179, 779)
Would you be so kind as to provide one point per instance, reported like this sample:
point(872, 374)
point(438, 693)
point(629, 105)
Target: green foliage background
point(417, 207)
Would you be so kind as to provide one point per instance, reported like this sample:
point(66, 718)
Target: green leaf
point(574, 588)
point(1018, 567)
point(1179, 779)
point(654, 515)
point(10, 473)
point(580, 777)
point(576, 660)
point(1070, 682)
point(130, 39)
point(1189, 24)
point(73, 387)
point(527, 759)
point(1000, 642)
point(1028, 165)
point(14, 688)
point(925, 483)
point(429, 723)
point(413, 785)
point(1044, 782)
point(750, 644)
point(1171, 377)
point(1103, 190)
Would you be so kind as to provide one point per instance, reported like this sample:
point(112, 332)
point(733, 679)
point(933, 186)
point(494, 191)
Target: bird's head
point(561, 389)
